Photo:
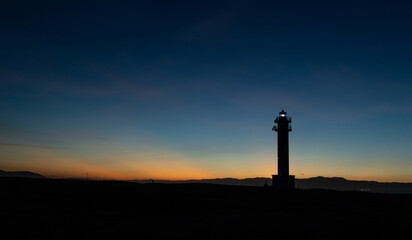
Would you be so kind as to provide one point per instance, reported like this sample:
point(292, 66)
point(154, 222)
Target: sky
point(190, 89)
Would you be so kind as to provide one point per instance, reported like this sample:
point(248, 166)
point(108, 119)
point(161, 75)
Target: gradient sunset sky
point(190, 89)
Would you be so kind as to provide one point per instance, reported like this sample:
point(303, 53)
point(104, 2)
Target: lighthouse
point(283, 127)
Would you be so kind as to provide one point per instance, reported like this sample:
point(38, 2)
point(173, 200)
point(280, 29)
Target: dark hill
point(75, 209)
point(25, 174)
point(335, 183)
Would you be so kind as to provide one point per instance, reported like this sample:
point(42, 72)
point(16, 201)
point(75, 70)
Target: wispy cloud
point(214, 23)
point(391, 108)
point(24, 145)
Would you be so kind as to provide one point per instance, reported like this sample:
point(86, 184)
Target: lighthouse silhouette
point(283, 127)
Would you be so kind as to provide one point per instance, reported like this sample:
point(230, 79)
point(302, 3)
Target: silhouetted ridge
point(25, 174)
point(333, 183)
point(79, 209)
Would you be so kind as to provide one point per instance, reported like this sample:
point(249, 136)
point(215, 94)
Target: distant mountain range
point(25, 174)
point(334, 183)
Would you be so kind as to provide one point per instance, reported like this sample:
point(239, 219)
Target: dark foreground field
point(74, 209)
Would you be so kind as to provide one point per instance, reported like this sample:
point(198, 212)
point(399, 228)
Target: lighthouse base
point(284, 182)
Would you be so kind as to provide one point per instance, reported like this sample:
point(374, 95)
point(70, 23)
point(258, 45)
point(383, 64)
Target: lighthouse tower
point(283, 127)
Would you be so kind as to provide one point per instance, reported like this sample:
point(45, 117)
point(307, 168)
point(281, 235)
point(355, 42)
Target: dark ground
point(76, 209)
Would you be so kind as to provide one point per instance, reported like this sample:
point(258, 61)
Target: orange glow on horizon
point(95, 173)
point(172, 166)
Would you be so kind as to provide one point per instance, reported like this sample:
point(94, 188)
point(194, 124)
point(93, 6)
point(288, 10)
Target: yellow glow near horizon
point(171, 166)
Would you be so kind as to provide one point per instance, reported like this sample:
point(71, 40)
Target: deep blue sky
point(190, 89)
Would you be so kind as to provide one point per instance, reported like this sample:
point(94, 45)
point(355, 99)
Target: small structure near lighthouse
point(283, 127)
